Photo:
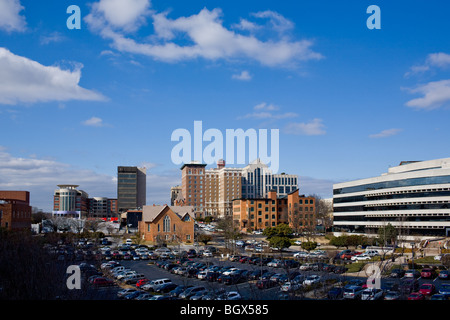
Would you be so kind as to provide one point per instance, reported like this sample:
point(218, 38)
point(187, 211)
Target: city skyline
point(348, 101)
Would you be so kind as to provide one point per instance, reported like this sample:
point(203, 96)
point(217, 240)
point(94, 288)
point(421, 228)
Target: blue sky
point(349, 102)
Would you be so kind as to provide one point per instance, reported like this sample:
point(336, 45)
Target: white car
point(201, 275)
point(306, 267)
point(229, 271)
point(311, 280)
point(232, 295)
point(301, 254)
point(362, 257)
point(291, 286)
point(207, 253)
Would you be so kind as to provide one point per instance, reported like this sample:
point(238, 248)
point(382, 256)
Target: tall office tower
point(131, 188)
point(258, 180)
point(70, 202)
point(193, 185)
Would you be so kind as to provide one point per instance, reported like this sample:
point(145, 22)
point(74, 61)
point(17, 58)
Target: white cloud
point(244, 76)
point(276, 20)
point(125, 15)
point(435, 95)
point(52, 37)
point(26, 81)
point(206, 36)
point(94, 122)
point(10, 18)
point(386, 133)
point(439, 60)
point(41, 177)
point(312, 128)
point(266, 111)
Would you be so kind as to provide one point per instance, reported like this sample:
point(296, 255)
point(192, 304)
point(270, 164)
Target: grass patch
point(355, 266)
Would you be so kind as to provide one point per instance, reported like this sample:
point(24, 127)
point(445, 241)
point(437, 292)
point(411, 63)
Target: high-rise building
point(413, 197)
point(222, 185)
point(211, 191)
point(258, 180)
point(193, 185)
point(131, 188)
point(69, 202)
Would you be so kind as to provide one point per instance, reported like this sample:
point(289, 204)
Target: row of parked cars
point(425, 273)
point(157, 289)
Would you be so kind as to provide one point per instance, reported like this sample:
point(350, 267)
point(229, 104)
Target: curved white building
point(414, 197)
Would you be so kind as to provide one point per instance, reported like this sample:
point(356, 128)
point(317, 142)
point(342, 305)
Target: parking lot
point(251, 275)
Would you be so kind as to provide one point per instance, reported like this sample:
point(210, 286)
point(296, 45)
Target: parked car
point(392, 295)
point(125, 292)
point(232, 295)
point(409, 285)
point(306, 267)
point(428, 273)
point(192, 291)
point(416, 296)
point(311, 280)
point(154, 284)
point(178, 290)
point(290, 286)
point(412, 273)
point(372, 294)
point(353, 292)
point(265, 283)
point(133, 279)
point(141, 282)
point(427, 289)
point(445, 289)
point(439, 296)
point(362, 257)
point(166, 287)
point(444, 274)
point(102, 282)
point(397, 273)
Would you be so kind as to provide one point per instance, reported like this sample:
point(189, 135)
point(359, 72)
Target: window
point(148, 227)
point(166, 224)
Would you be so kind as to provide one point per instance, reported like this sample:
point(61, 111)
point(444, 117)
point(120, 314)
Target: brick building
point(15, 210)
point(167, 224)
point(295, 210)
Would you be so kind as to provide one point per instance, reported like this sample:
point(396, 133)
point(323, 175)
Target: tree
point(309, 245)
point(387, 235)
point(204, 238)
point(279, 236)
point(324, 211)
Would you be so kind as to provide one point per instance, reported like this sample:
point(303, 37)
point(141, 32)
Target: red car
point(102, 282)
point(141, 282)
point(416, 296)
point(428, 273)
point(427, 289)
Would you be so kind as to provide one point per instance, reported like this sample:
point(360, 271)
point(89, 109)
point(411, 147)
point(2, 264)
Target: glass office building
point(414, 197)
point(131, 188)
